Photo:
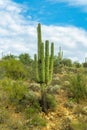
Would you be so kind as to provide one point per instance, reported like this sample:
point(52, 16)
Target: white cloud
point(72, 2)
point(17, 35)
point(15, 31)
point(73, 40)
point(78, 3)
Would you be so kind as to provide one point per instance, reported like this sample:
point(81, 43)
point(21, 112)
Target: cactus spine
point(44, 63)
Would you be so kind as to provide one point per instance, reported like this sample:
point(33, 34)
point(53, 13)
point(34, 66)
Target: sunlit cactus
point(51, 62)
point(44, 62)
point(43, 66)
point(47, 62)
point(60, 55)
point(39, 40)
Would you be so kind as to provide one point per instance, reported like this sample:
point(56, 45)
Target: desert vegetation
point(46, 92)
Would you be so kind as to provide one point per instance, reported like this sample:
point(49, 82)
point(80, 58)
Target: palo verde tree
point(43, 66)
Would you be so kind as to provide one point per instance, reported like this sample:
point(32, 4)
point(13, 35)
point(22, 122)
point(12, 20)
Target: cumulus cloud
point(73, 40)
point(16, 34)
point(19, 35)
point(79, 3)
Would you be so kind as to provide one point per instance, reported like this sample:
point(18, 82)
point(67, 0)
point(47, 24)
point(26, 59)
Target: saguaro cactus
point(43, 65)
point(60, 55)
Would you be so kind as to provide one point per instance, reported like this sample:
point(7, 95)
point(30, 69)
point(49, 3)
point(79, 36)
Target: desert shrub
point(30, 99)
point(2, 72)
point(81, 110)
point(3, 97)
point(85, 64)
point(16, 125)
point(53, 89)
point(15, 90)
point(38, 121)
point(13, 69)
point(51, 102)
point(3, 116)
point(31, 111)
point(33, 100)
point(78, 125)
point(34, 87)
point(25, 58)
point(34, 118)
point(77, 87)
point(77, 64)
point(8, 56)
point(67, 62)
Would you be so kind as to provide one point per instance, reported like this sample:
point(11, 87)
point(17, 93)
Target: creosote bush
point(15, 90)
point(78, 87)
point(51, 102)
point(4, 115)
point(13, 69)
point(34, 118)
point(78, 125)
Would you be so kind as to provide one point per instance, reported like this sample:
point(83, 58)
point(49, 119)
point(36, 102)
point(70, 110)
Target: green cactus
point(39, 39)
point(60, 55)
point(43, 66)
point(47, 62)
point(51, 61)
point(44, 69)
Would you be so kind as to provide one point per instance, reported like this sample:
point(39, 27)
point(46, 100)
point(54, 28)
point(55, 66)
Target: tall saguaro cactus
point(44, 62)
point(43, 65)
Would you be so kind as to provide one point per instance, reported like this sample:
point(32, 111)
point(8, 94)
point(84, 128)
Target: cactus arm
point(51, 61)
point(47, 61)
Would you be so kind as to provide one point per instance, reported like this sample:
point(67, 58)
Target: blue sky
point(56, 13)
point(64, 22)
